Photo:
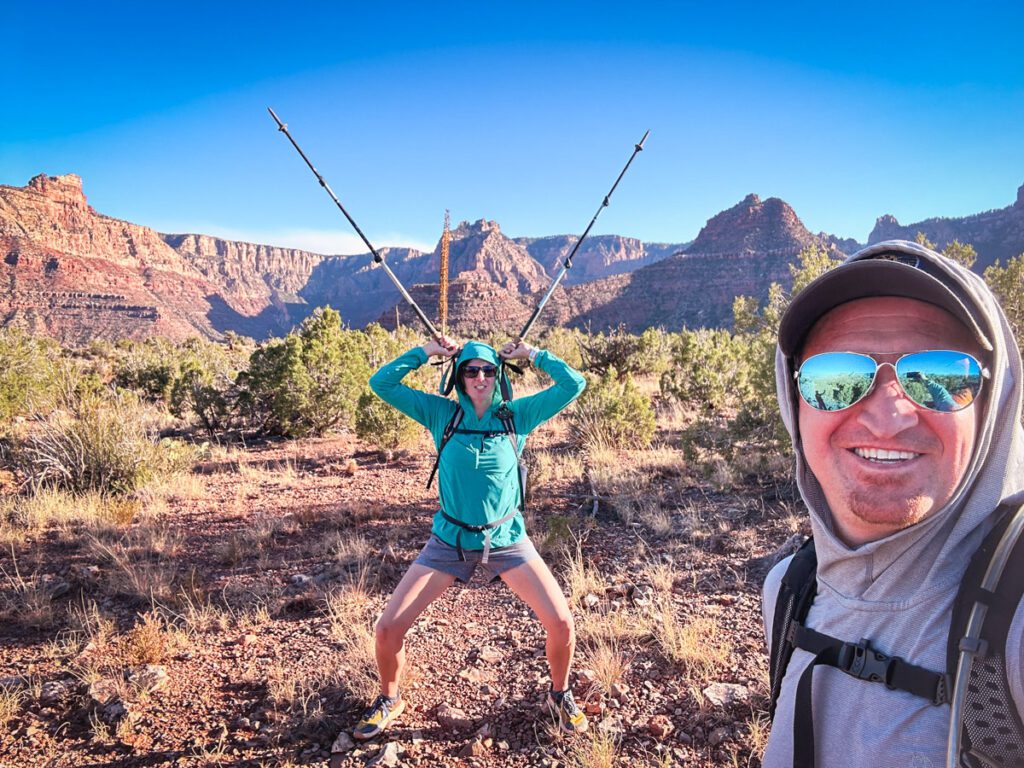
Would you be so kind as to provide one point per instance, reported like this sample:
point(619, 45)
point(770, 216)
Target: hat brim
point(864, 279)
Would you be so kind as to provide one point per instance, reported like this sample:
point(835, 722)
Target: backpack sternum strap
point(863, 662)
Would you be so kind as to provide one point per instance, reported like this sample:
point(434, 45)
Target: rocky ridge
point(997, 234)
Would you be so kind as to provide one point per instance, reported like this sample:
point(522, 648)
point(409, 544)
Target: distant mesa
point(77, 275)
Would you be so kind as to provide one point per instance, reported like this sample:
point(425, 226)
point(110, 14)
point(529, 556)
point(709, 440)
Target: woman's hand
point(441, 346)
point(514, 351)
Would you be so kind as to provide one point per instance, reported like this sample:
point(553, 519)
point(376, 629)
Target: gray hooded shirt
point(898, 591)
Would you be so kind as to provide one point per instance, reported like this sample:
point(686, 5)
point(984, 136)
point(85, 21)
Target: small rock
point(60, 590)
point(54, 691)
point(489, 654)
point(725, 694)
point(343, 743)
point(619, 691)
point(388, 756)
point(149, 678)
point(247, 639)
point(113, 711)
point(301, 580)
point(590, 600)
point(453, 718)
point(717, 736)
point(474, 748)
point(594, 707)
point(103, 690)
point(660, 726)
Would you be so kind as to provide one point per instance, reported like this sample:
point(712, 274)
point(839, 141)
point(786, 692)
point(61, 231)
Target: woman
point(479, 522)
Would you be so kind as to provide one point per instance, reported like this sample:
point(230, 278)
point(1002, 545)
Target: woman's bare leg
point(418, 588)
point(533, 583)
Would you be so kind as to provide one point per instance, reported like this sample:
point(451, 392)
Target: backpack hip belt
point(484, 529)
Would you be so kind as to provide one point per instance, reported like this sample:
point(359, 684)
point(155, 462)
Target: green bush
point(625, 353)
point(710, 369)
point(612, 412)
point(29, 376)
point(308, 382)
point(382, 425)
point(1007, 283)
point(204, 388)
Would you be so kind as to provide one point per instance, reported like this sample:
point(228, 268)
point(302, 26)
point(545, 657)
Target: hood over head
point(932, 553)
point(472, 350)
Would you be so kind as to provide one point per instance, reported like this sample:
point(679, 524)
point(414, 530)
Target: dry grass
point(27, 598)
point(596, 749)
point(349, 610)
point(548, 467)
point(699, 646)
point(662, 576)
point(608, 661)
point(151, 641)
point(10, 703)
point(88, 622)
point(580, 578)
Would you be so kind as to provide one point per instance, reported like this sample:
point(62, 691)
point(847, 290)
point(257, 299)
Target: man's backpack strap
point(988, 725)
point(796, 593)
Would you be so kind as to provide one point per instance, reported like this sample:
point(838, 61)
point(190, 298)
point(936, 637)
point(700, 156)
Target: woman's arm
point(567, 384)
point(387, 382)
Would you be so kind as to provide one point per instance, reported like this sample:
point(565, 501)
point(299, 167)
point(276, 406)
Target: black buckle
point(862, 661)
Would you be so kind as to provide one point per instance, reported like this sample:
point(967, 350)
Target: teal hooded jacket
point(477, 480)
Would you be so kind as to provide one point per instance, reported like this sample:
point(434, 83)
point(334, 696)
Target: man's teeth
point(879, 454)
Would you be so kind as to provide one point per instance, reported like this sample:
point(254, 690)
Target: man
point(902, 487)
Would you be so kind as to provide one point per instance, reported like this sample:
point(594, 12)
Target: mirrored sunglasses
point(472, 371)
point(940, 380)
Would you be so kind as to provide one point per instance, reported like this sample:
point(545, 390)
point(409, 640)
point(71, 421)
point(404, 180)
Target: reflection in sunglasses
point(944, 381)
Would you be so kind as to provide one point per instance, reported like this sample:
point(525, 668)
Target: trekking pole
point(283, 127)
point(567, 265)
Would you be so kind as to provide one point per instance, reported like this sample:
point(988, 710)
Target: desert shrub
point(105, 444)
point(28, 375)
point(1007, 283)
point(565, 343)
point(382, 425)
point(709, 369)
point(308, 382)
point(204, 388)
point(625, 353)
point(612, 412)
point(148, 368)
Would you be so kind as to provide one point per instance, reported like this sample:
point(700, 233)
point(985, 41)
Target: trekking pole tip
point(640, 146)
point(280, 126)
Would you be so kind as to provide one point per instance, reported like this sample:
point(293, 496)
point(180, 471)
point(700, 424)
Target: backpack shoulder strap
point(796, 593)
point(990, 727)
point(449, 430)
point(508, 421)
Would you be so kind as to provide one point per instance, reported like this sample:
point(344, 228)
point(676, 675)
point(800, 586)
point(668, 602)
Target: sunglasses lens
point(472, 371)
point(940, 380)
point(835, 380)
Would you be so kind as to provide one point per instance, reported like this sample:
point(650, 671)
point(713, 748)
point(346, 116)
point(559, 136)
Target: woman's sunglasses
point(940, 379)
point(472, 371)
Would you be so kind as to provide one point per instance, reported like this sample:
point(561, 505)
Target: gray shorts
point(444, 558)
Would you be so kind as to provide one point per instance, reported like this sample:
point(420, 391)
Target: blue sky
point(519, 112)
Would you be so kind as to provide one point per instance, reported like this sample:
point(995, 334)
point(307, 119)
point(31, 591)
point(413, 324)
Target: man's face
point(874, 494)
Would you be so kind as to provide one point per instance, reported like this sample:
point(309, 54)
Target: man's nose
point(887, 410)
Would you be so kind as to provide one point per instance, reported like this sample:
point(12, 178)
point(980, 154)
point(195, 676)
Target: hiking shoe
point(570, 716)
point(379, 716)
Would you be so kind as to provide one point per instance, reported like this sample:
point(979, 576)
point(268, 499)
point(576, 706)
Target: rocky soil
point(228, 623)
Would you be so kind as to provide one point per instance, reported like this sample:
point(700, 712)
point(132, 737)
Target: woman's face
point(475, 381)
